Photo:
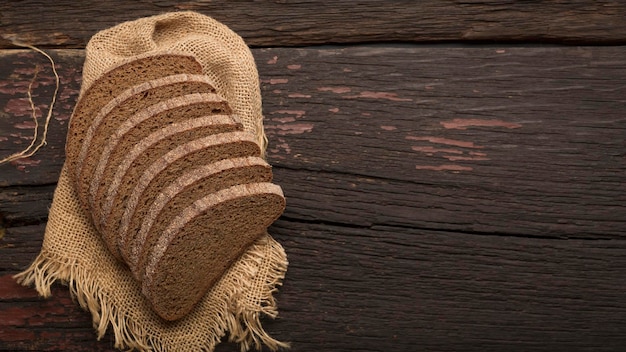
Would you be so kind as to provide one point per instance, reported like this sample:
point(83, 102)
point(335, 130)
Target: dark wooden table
point(455, 170)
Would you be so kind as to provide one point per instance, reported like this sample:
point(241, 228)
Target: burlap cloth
point(73, 252)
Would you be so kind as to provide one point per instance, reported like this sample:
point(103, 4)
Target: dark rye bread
point(139, 157)
point(115, 81)
point(132, 164)
point(137, 98)
point(199, 245)
point(124, 104)
point(117, 113)
point(117, 135)
point(185, 190)
point(134, 198)
point(122, 134)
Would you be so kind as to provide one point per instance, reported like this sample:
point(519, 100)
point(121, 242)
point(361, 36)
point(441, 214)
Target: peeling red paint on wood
point(28, 71)
point(364, 94)
point(22, 163)
point(25, 125)
point(291, 128)
point(287, 126)
point(297, 113)
point(446, 141)
point(378, 95)
point(431, 150)
point(463, 124)
point(20, 136)
point(298, 95)
point(284, 119)
point(281, 147)
point(461, 158)
point(446, 167)
point(337, 90)
point(388, 128)
point(444, 153)
point(276, 81)
point(273, 60)
point(26, 161)
point(18, 107)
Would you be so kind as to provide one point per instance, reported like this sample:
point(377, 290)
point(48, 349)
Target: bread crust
point(166, 169)
point(172, 179)
point(182, 266)
point(141, 69)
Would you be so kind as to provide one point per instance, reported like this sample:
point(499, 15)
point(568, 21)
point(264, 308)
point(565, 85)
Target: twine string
point(32, 148)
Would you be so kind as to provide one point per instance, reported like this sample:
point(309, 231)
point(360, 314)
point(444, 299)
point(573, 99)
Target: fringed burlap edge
point(239, 315)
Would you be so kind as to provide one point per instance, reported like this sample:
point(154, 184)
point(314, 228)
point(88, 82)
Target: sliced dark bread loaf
point(139, 157)
point(115, 81)
point(118, 109)
point(135, 198)
point(133, 163)
point(123, 134)
point(118, 136)
point(135, 99)
point(185, 190)
point(199, 245)
point(116, 114)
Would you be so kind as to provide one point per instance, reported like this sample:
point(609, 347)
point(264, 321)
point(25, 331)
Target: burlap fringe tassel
point(238, 316)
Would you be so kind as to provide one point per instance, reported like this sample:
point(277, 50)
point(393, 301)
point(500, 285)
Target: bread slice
point(138, 158)
point(137, 98)
point(124, 134)
point(118, 134)
point(185, 190)
point(199, 245)
point(115, 81)
point(134, 198)
point(118, 110)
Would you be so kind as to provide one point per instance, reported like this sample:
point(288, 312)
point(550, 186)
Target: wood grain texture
point(389, 288)
point(64, 24)
point(511, 140)
point(31, 323)
point(438, 198)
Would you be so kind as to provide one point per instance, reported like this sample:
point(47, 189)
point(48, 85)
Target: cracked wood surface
point(439, 198)
point(64, 23)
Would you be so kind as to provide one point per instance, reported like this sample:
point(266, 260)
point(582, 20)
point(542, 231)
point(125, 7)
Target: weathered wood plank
point(525, 141)
point(29, 323)
point(414, 178)
point(21, 206)
point(389, 288)
point(512, 140)
point(64, 24)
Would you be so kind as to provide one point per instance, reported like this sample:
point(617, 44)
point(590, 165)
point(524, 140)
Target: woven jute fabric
point(224, 56)
point(74, 253)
